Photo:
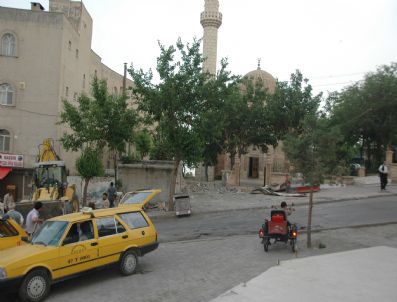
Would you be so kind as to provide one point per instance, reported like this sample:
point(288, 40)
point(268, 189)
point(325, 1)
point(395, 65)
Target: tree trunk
point(86, 181)
point(115, 169)
point(173, 184)
point(309, 219)
point(206, 172)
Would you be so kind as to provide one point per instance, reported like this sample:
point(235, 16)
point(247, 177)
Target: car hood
point(138, 198)
point(21, 253)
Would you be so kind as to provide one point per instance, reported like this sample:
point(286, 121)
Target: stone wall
point(150, 174)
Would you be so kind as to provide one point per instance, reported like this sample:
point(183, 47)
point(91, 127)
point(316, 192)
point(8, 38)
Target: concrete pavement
point(359, 275)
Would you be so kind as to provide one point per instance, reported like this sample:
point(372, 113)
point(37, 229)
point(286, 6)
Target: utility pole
point(125, 78)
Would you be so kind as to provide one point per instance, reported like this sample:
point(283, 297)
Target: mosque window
point(6, 94)
point(8, 45)
point(70, 45)
point(5, 140)
point(67, 91)
point(83, 81)
point(77, 53)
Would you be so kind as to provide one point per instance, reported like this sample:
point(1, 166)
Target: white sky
point(330, 41)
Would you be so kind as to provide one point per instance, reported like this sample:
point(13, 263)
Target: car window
point(109, 226)
point(134, 198)
point(134, 220)
point(50, 233)
point(7, 230)
point(78, 232)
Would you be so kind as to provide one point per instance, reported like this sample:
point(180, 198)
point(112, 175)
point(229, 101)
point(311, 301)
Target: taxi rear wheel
point(35, 287)
point(128, 263)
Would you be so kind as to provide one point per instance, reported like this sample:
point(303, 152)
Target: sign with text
point(11, 160)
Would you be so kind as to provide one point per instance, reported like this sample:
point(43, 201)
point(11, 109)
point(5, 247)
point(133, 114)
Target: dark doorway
point(253, 167)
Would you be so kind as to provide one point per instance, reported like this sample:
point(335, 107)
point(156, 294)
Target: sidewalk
point(218, 200)
point(359, 275)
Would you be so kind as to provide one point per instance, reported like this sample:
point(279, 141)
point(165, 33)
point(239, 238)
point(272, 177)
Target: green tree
point(100, 121)
point(175, 103)
point(89, 165)
point(366, 111)
point(293, 112)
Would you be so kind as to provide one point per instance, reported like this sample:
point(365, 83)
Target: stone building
point(45, 57)
point(255, 167)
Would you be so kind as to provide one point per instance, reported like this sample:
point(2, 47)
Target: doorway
point(253, 167)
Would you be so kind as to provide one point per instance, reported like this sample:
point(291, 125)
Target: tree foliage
point(103, 120)
point(365, 112)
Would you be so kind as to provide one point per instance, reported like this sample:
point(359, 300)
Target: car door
point(140, 230)
point(79, 249)
point(112, 239)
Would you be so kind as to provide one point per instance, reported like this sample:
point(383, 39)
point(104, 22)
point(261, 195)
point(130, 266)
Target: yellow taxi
point(11, 233)
point(67, 245)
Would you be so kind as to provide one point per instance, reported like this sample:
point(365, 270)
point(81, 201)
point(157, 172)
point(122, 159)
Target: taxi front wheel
point(35, 287)
point(128, 263)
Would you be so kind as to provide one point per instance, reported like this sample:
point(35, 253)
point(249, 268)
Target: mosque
point(255, 167)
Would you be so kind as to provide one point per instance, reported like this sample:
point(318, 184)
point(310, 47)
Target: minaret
point(211, 20)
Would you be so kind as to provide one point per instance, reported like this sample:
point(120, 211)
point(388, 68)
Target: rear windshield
point(134, 198)
point(7, 230)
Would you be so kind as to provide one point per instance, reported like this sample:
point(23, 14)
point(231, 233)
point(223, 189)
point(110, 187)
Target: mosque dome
point(266, 78)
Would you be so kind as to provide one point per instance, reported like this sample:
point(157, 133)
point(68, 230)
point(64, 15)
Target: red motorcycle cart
point(278, 229)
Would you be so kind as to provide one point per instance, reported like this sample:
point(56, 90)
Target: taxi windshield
point(50, 233)
point(134, 198)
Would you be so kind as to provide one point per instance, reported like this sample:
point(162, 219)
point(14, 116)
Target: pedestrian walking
point(111, 194)
point(33, 219)
point(383, 173)
point(14, 214)
point(8, 201)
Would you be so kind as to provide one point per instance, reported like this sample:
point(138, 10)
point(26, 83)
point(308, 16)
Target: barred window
point(8, 45)
point(6, 94)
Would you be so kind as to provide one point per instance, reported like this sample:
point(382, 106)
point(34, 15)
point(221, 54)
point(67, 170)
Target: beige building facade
point(45, 57)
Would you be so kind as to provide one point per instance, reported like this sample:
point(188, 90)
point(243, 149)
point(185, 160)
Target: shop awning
point(4, 172)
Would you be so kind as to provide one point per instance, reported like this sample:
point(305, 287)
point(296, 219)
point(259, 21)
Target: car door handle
point(124, 236)
point(143, 232)
point(94, 243)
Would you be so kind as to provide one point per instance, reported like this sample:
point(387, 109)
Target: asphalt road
point(370, 211)
point(200, 270)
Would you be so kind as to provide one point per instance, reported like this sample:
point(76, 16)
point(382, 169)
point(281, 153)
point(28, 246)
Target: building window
point(6, 94)
point(70, 45)
point(77, 53)
point(83, 81)
point(67, 91)
point(8, 45)
point(75, 96)
point(96, 73)
point(5, 139)
point(115, 90)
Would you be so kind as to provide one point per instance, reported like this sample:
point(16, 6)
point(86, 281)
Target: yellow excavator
point(50, 179)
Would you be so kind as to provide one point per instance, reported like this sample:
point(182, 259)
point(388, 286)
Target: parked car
point(11, 233)
point(68, 245)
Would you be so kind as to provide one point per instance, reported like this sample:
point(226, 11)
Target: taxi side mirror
point(25, 239)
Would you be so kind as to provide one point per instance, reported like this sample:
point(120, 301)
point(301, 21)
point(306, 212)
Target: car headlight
point(3, 273)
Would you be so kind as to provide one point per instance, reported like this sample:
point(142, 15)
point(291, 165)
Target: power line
point(338, 75)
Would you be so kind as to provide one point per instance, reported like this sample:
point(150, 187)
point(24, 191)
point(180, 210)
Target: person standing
point(105, 201)
point(383, 173)
point(111, 194)
point(33, 219)
point(8, 201)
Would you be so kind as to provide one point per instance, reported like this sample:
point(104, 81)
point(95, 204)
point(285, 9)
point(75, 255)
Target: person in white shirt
point(8, 201)
point(383, 173)
point(33, 219)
